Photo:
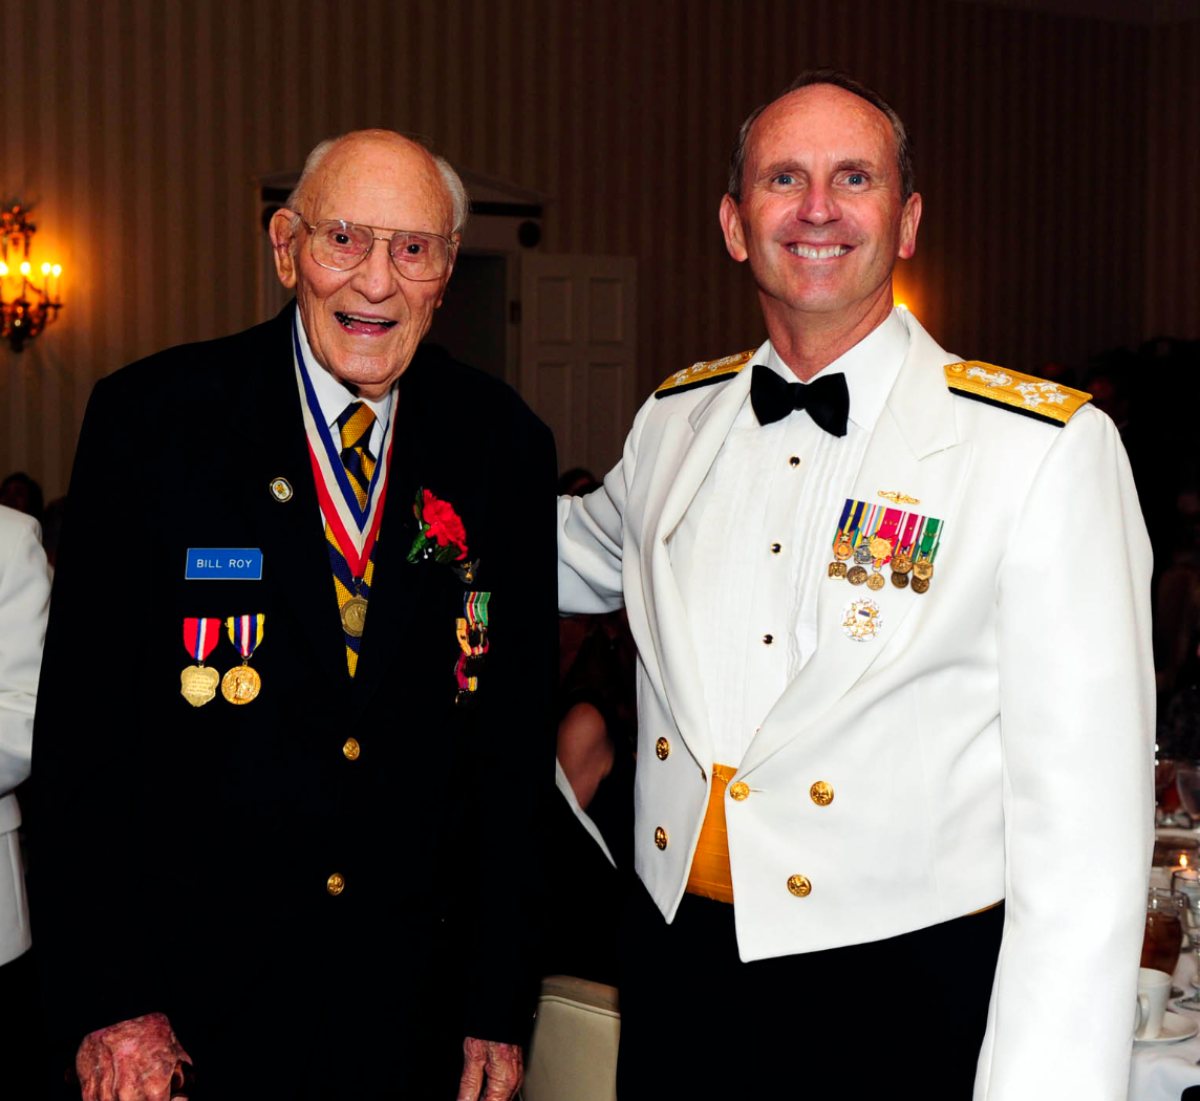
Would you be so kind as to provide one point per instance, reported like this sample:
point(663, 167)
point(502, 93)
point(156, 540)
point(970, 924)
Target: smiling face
point(364, 324)
point(821, 219)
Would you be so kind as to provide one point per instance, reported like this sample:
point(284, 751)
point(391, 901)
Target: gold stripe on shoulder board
point(703, 373)
point(1027, 394)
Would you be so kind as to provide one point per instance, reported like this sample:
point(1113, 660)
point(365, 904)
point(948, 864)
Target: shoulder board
point(1026, 394)
point(702, 373)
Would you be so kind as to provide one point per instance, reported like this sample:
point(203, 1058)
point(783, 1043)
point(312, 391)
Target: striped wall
point(1055, 155)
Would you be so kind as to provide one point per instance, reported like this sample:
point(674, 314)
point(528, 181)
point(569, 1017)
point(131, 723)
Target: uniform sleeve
point(1077, 720)
point(24, 598)
point(591, 536)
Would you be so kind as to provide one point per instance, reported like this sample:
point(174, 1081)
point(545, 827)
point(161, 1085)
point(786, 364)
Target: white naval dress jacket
point(993, 740)
point(24, 597)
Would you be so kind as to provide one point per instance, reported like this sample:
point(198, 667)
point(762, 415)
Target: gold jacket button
point(335, 884)
point(351, 749)
point(821, 793)
point(739, 791)
point(776, 548)
point(662, 749)
point(660, 837)
point(799, 885)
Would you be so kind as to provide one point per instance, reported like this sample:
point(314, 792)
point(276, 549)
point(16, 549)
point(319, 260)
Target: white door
point(578, 338)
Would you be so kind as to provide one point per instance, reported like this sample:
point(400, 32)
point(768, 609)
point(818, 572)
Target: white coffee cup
point(1154, 987)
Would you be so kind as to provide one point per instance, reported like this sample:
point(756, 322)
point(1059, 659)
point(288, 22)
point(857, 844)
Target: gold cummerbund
point(710, 876)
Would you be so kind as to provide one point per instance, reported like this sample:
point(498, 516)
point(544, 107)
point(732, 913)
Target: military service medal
point(242, 683)
point(843, 540)
point(471, 629)
point(874, 536)
point(922, 569)
point(198, 683)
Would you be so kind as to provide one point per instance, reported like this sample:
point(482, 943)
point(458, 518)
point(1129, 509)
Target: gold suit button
point(335, 884)
point(799, 885)
point(660, 837)
point(351, 749)
point(821, 793)
point(739, 791)
point(794, 460)
point(662, 749)
point(776, 548)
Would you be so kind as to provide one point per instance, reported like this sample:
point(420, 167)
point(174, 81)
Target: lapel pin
point(281, 490)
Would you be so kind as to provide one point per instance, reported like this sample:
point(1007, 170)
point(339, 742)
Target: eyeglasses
point(339, 246)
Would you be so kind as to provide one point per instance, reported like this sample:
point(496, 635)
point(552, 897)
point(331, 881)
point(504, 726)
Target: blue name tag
point(223, 564)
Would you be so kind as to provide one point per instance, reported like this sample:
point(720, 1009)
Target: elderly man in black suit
point(295, 710)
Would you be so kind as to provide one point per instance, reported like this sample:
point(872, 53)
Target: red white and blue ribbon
point(354, 528)
point(200, 636)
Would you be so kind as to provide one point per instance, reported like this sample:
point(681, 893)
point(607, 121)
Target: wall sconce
point(27, 306)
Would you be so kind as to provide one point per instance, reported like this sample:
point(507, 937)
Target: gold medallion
point(843, 548)
point(837, 570)
point(900, 580)
point(875, 582)
point(241, 684)
point(198, 684)
point(354, 616)
point(901, 562)
point(856, 575)
point(880, 547)
point(923, 569)
point(920, 585)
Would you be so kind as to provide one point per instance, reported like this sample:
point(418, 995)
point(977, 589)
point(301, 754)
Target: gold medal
point(354, 616)
point(198, 684)
point(901, 563)
point(923, 569)
point(837, 570)
point(900, 580)
point(241, 684)
point(875, 582)
point(856, 575)
point(843, 548)
point(880, 547)
point(920, 585)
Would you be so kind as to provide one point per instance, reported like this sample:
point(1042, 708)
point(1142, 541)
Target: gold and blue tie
point(355, 424)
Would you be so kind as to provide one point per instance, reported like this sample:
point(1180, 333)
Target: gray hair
point(460, 204)
point(904, 153)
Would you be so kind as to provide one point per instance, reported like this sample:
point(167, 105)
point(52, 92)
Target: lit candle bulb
point(25, 268)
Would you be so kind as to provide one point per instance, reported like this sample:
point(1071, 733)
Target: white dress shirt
point(751, 549)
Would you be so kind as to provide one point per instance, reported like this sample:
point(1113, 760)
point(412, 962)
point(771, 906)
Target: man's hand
point(136, 1060)
point(502, 1064)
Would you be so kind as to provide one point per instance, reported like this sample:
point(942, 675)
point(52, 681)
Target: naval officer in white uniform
point(895, 679)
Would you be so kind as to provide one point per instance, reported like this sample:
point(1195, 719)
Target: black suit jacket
point(183, 853)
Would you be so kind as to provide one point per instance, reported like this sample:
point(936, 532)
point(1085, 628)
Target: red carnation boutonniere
point(441, 535)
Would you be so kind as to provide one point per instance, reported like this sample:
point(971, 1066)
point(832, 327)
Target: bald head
point(350, 142)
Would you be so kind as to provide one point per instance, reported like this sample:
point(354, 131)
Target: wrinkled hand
point(503, 1065)
point(135, 1060)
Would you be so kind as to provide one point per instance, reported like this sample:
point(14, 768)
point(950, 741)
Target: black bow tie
point(827, 399)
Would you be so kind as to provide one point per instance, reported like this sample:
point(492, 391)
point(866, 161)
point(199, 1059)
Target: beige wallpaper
point(1056, 154)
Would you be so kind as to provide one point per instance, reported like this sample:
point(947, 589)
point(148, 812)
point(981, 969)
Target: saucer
point(1175, 1027)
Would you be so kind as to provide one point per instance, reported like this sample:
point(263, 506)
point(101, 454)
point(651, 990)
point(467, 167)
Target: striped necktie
point(355, 423)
